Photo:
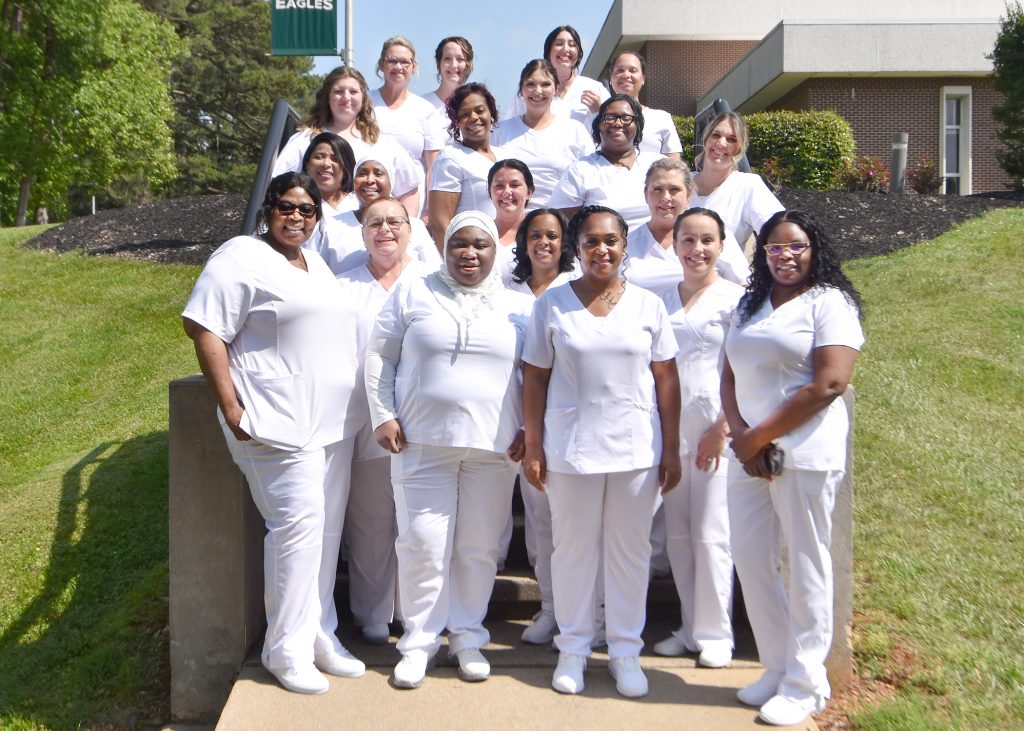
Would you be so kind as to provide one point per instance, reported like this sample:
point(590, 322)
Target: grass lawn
point(91, 344)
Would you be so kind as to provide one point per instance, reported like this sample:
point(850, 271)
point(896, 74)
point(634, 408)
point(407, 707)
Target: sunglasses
point(306, 210)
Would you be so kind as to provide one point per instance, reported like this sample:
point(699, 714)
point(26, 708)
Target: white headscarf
point(464, 303)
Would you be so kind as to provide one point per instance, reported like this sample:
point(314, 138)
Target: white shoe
point(341, 663)
point(301, 679)
point(568, 677)
point(761, 690)
point(671, 646)
point(630, 680)
point(784, 710)
point(473, 666)
point(412, 669)
point(376, 634)
point(715, 656)
point(542, 630)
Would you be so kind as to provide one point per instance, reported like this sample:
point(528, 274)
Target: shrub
point(924, 177)
point(777, 173)
point(867, 174)
point(814, 148)
point(1008, 78)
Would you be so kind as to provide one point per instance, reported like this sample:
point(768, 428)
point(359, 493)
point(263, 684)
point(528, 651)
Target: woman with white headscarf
point(443, 381)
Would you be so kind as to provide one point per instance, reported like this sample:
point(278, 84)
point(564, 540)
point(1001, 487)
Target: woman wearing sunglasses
point(275, 339)
point(790, 353)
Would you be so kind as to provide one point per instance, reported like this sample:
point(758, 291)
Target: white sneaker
point(376, 634)
point(473, 666)
point(715, 656)
point(761, 690)
point(784, 710)
point(671, 646)
point(301, 679)
point(542, 630)
point(568, 677)
point(341, 663)
point(630, 680)
point(412, 669)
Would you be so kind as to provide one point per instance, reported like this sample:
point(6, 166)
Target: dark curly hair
point(451, 107)
point(277, 188)
point(341, 149)
point(825, 268)
point(524, 267)
point(586, 212)
point(637, 111)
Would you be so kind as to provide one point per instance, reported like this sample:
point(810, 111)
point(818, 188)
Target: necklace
point(613, 299)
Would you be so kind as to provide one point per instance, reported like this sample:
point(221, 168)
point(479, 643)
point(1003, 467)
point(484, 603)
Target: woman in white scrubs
point(652, 262)
point(789, 356)
point(405, 117)
point(329, 160)
point(460, 173)
point(342, 106)
point(614, 175)
point(454, 59)
point(742, 199)
point(576, 97)
point(546, 142)
point(444, 385)
point(627, 74)
point(696, 512)
point(342, 245)
point(601, 407)
point(370, 527)
point(510, 185)
point(275, 339)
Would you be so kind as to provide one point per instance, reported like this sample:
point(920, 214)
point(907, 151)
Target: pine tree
point(1008, 71)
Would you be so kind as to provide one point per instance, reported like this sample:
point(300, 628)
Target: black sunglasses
point(306, 210)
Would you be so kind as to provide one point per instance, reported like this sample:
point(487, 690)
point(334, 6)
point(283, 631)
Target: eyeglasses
point(624, 119)
point(796, 248)
point(401, 62)
point(306, 210)
point(394, 223)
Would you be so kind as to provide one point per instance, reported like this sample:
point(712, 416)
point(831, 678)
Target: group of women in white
point(436, 300)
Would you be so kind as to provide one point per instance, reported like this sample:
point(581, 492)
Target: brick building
point(918, 66)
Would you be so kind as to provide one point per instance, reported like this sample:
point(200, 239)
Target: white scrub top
point(660, 134)
point(570, 106)
point(562, 278)
point(772, 357)
point(291, 339)
point(592, 180)
point(547, 152)
point(653, 267)
point(458, 169)
point(450, 393)
point(700, 334)
point(744, 203)
point(341, 244)
point(602, 411)
point(409, 124)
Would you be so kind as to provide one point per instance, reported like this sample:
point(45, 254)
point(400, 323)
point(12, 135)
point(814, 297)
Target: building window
point(955, 140)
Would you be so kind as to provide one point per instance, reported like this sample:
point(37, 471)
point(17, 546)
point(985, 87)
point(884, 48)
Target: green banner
point(303, 27)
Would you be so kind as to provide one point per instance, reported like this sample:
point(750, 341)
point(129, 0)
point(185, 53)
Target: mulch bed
point(187, 230)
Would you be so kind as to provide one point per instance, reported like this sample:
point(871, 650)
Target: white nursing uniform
point(771, 356)
point(547, 152)
point(602, 442)
point(370, 527)
point(291, 339)
point(744, 203)
point(458, 169)
point(654, 267)
point(409, 124)
point(592, 180)
point(660, 134)
point(341, 244)
point(570, 106)
point(456, 391)
point(697, 511)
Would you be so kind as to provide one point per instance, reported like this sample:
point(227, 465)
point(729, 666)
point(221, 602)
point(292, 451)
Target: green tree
point(1008, 71)
point(224, 90)
point(83, 99)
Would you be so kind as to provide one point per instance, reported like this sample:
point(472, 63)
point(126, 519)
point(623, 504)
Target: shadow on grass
point(91, 648)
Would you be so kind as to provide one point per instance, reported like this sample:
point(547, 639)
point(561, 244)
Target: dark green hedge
point(799, 149)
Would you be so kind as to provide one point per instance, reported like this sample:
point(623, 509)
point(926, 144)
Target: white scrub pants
point(793, 635)
point(370, 531)
point(452, 504)
point(302, 497)
point(601, 517)
point(697, 519)
point(539, 543)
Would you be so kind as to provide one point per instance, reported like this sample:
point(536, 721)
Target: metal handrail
point(283, 123)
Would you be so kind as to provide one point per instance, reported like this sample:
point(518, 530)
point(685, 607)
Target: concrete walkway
point(518, 694)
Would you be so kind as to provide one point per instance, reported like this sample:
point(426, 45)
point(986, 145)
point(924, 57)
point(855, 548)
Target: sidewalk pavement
point(518, 694)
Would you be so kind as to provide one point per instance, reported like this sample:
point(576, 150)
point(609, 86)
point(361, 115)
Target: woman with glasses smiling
point(789, 353)
point(614, 175)
point(275, 339)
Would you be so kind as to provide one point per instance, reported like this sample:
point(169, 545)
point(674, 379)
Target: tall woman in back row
point(789, 356)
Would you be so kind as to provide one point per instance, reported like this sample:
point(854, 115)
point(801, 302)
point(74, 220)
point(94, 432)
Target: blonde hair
point(397, 41)
point(668, 164)
point(738, 126)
